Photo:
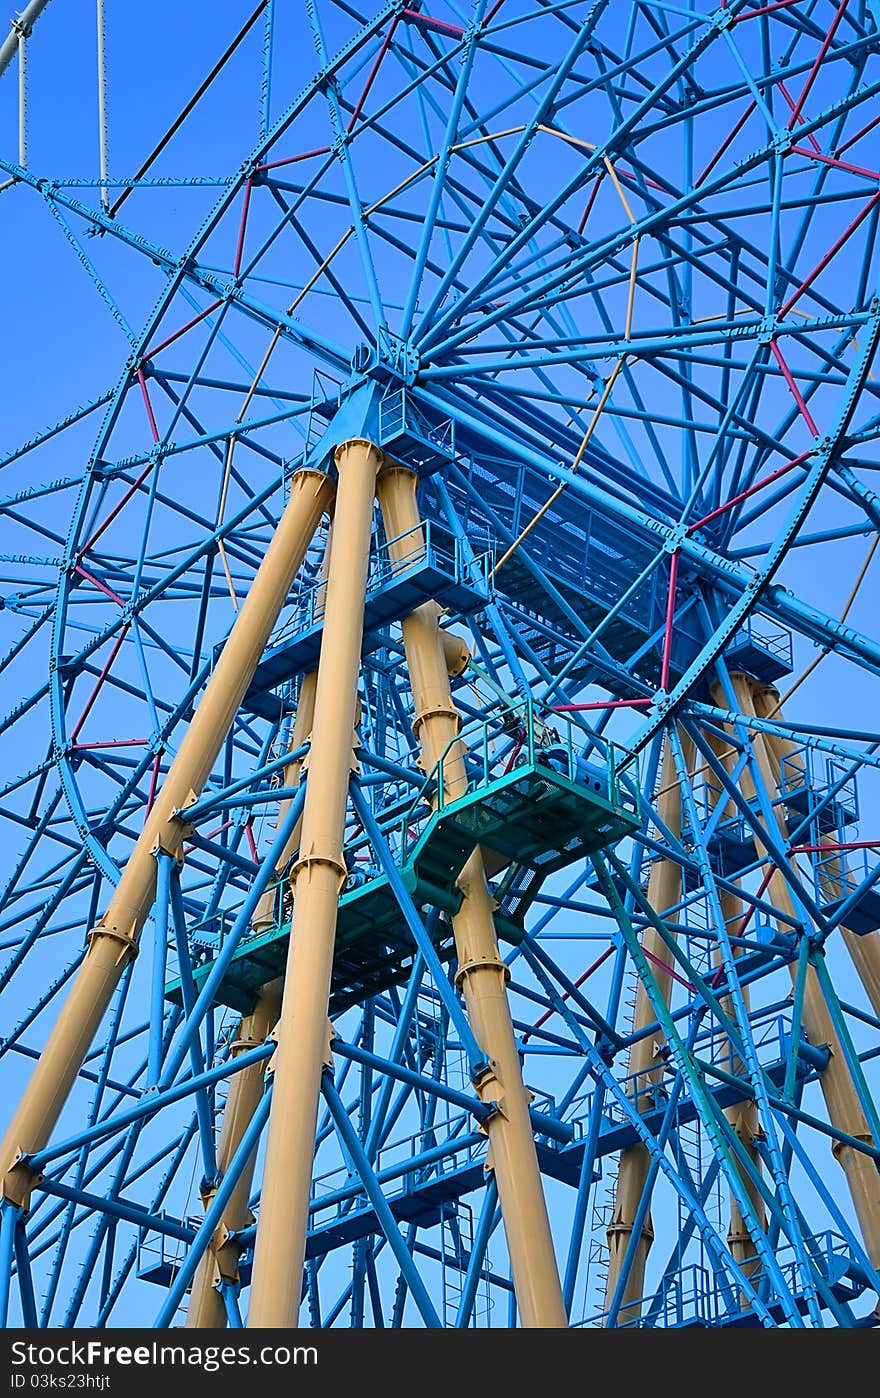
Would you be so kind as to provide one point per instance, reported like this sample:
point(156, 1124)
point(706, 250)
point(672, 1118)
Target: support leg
point(743, 1116)
point(482, 974)
point(864, 952)
point(838, 1088)
point(317, 879)
point(207, 1308)
point(113, 943)
point(209, 1303)
point(645, 1065)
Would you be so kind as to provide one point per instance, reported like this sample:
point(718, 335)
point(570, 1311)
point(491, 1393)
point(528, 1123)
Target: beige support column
point(113, 943)
point(864, 952)
point(742, 1116)
point(317, 878)
point(482, 974)
point(664, 892)
point(264, 916)
point(841, 1098)
point(206, 1310)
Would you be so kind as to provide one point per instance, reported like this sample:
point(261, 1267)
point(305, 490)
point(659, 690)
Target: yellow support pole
point(302, 728)
point(317, 878)
point(864, 952)
point(113, 942)
point(664, 892)
point(838, 1088)
point(206, 1310)
point(264, 915)
point(482, 975)
point(742, 1116)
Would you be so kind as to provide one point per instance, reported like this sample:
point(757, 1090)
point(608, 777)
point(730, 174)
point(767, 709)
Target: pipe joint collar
point(377, 454)
point(482, 963)
point(838, 1147)
point(327, 861)
point(446, 710)
point(128, 942)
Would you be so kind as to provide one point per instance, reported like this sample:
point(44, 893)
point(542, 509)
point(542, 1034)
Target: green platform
point(533, 818)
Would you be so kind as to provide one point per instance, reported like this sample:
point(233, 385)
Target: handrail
point(525, 734)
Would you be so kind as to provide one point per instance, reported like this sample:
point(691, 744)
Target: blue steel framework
point(602, 277)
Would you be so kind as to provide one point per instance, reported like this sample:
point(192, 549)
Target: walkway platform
point(547, 810)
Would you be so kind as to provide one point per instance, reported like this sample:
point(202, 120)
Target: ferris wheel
point(441, 877)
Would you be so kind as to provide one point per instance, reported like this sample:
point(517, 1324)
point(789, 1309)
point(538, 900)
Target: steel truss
point(406, 637)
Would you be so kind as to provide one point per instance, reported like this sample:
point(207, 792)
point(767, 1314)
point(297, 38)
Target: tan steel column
point(742, 1116)
point(264, 916)
point(113, 943)
point(664, 892)
point(206, 1310)
point(841, 1098)
point(317, 878)
point(864, 952)
point(482, 974)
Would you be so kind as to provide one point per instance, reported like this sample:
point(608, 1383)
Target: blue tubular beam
point(9, 1216)
point(117, 1208)
point(686, 1064)
point(476, 1057)
point(439, 180)
point(760, 829)
point(238, 929)
point(398, 1046)
point(853, 1062)
point(790, 1109)
point(585, 1185)
point(229, 1293)
point(25, 1278)
point(438, 1089)
point(157, 1200)
point(387, 1221)
point(644, 1207)
point(214, 1213)
point(739, 585)
point(150, 1104)
point(196, 1055)
point(783, 1199)
point(794, 1146)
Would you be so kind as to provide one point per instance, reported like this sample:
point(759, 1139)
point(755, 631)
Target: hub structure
point(441, 869)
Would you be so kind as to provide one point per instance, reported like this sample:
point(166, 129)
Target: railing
point(399, 416)
point(428, 544)
point(516, 735)
point(694, 1295)
point(807, 777)
point(156, 1249)
point(837, 873)
point(411, 1158)
point(765, 635)
point(770, 1032)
